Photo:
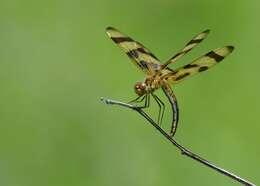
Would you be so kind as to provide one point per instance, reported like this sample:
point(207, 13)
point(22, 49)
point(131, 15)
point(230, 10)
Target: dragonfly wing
point(188, 47)
point(199, 65)
point(140, 55)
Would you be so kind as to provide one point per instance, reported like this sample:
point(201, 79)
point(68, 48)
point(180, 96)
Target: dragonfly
point(160, 75)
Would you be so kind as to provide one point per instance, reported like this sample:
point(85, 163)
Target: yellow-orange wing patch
point(188, 47)
point(140, 55)
point(199, 65)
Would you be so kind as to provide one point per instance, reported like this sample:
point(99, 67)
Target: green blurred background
point(56, 62)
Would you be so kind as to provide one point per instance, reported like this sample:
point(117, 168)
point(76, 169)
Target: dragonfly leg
point(136, 100)
point(147, 101)
point(161, 108)
point(139, 101)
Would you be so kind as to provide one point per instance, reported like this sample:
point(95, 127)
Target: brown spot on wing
point(132, 53)
point(144, 64)
point(231, 48)
point(194, 41)
point(142, 50)
point(190, 66)
point(203, 68)
point(215, 56)
point(121, 39)
point(182, 76)
point(170, 69)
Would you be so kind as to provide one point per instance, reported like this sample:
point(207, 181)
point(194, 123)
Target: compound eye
point(139, 89)
point(143, 86)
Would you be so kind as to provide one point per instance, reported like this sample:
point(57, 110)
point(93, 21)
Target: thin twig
point(183, 150)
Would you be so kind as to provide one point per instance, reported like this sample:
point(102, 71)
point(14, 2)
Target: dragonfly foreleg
point(138, 100)
point(147, 101)
point(161, 108)
point(145, 98)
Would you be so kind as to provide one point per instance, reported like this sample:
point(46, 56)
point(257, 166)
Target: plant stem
point(184, 151)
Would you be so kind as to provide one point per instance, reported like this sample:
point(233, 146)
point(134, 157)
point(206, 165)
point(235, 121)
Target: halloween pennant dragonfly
point(159, 75)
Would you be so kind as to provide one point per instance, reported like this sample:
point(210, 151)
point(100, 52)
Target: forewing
point(188, 47)
point(199, 65)
point(140, 55)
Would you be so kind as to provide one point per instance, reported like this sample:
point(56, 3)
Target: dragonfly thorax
point(148, 86)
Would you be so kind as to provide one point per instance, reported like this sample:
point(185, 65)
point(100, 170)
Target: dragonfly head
point(140, 88)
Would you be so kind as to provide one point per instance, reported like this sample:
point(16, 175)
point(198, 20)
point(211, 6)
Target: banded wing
point(188, 47)
point(140, 55)
point(199, 65)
